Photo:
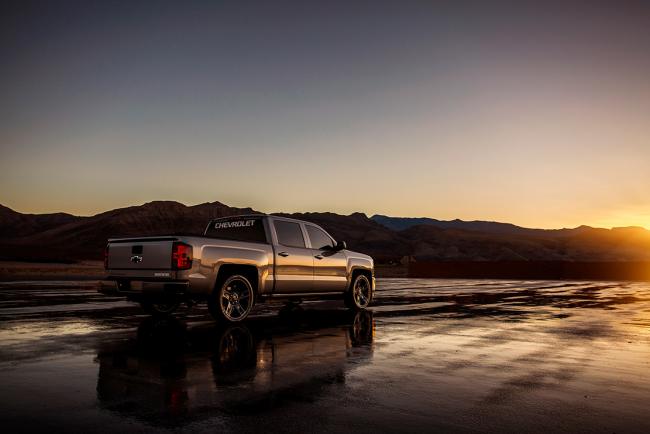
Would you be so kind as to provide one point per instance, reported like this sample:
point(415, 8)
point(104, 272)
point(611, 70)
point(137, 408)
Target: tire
point(360, 294)
point(232, 300)
point(160, 308)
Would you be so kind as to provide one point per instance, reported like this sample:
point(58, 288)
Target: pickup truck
point(239, 261)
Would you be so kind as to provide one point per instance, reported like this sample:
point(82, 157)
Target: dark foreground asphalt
point(433, 355)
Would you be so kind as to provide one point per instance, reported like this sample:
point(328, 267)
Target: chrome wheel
point(236, 298)
point(361, 292)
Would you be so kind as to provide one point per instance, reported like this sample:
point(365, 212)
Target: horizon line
point(332, 212)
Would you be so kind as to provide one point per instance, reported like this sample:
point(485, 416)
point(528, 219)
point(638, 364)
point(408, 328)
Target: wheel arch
point(249, 271)
point(360, 270)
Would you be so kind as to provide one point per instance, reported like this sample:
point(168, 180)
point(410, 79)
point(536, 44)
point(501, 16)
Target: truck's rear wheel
point(160, 308)
point(360, 293)
point(233, 300)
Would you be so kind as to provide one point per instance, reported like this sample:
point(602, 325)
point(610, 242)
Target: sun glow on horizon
point(625, 217)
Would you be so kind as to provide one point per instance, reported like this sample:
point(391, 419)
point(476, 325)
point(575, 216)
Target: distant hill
point(494, 241)
point(402, 223)
point(64, 237)
point(38, 238)
point(15, 224)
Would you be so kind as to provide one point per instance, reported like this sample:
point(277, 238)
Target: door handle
point(283, 254)
point(318, 256)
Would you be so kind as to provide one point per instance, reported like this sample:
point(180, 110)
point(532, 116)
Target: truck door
point(294, 262)
point(330, 265)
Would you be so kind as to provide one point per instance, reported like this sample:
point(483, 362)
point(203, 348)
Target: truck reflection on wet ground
point(452, 355)
point(170, 372)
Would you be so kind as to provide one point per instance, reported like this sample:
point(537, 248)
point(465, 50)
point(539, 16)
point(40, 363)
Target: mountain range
point(63, 237)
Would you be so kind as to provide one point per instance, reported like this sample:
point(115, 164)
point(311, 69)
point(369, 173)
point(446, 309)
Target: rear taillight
point(181, 256)
point(106, 257)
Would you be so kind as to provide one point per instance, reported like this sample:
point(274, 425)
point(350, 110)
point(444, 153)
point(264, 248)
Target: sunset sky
point(535, 115)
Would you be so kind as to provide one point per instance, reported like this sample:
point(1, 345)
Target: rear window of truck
point(249, 229)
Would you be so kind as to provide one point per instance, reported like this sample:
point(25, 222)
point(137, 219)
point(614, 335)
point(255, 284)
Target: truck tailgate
point(140, 254)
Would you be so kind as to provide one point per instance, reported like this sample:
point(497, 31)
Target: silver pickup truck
point(239, 261)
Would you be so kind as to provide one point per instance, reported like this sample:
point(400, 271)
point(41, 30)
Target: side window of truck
point(319, 239)
point(289, 234)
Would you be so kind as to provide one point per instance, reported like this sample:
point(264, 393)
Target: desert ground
point(445, 355)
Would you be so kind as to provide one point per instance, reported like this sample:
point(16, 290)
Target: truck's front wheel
point(232, 300)
point(359, 295)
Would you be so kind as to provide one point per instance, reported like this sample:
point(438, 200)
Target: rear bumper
point(143, 287)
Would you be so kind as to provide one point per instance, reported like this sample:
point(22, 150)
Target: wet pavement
point(446, 355)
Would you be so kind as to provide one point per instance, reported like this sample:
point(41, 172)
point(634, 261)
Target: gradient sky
point(535, 115)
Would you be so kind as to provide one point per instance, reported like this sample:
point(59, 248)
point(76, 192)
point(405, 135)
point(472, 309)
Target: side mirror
point(341, 245)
